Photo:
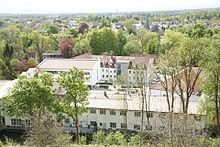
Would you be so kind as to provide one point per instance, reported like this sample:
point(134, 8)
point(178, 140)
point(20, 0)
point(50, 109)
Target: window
point(114, 71)
point(103, 70)
point(93, 123)
point(92, 110)
point(123, 125)
point(106, 76)
point(100, 124)
point(123, 113)
point(137, 114)
point(110, 71)
point(137, 127)
point(149, 114)
point(112, 125)
point(15, 122)
point(129, 72)
point(87, 73)
point(112, 112)
point(102, 111)
point(103, 76)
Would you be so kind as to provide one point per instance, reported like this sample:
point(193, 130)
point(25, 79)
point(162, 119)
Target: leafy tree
point(83, 27)
point(75, 98)
point(211, 63)
point(103, 40)
point(39, 44)
point(171, 40)
point(130, 25)
point(66, 46)
point(82, 47)
point(132, 47)
point(29, 96)
point(122, 40)
point(52, 30)
point(46, 132)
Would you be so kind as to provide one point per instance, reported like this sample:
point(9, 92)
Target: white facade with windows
point(109, 112)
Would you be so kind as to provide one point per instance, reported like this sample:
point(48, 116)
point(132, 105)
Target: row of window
point(122, 113)
point(19, 122)
point(123, 125)
point(103, 76)
point(103, 70)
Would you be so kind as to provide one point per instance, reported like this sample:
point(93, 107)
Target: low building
point(113, 110)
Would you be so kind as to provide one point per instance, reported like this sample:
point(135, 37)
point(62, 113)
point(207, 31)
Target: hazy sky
point(73, 6)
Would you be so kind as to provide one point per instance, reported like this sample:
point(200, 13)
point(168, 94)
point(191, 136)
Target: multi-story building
point(114, 110)
point(127, 66)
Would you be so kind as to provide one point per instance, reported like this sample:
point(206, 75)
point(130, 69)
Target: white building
point(113, 66)
point(113, 110)
point(91, 67)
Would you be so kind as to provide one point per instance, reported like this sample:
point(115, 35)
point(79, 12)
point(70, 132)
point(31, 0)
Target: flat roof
point(66, 64)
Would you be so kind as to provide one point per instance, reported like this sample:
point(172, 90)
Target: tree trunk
point(77, 128)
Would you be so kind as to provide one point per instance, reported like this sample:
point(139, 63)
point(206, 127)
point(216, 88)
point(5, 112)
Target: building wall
point(156, 119)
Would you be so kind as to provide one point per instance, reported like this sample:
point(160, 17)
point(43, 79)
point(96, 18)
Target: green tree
point(52, 30)
point(133, 47)
point(82, 46)
point(29, 96)
point(211, 63)
point(75, 98)
point(130, 25)
point(122, 40)
point(103, 40)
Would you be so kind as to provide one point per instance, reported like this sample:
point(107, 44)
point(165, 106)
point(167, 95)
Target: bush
point(99, 137)
point(116, 138)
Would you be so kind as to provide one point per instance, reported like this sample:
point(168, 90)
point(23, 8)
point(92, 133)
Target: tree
point(39, 44)
point(133, 47)
point(82, 46)
point(29, 96)
point(83, 27)
point(211, 63)
point(130, 25)
point(122, 40)
point(46, 132)
point(75, 98)
point(52, 30)
point(103, 40)
point(66, 46)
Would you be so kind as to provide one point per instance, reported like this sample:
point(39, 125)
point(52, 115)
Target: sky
point(93, 6)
